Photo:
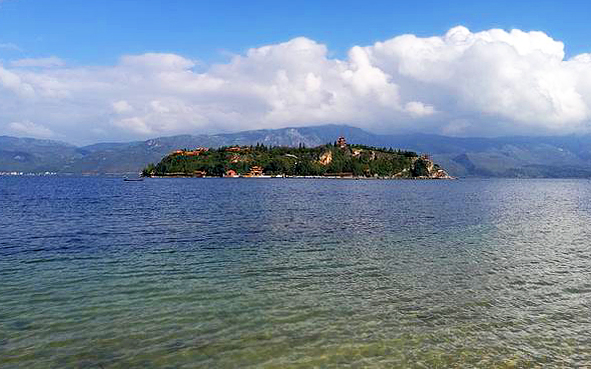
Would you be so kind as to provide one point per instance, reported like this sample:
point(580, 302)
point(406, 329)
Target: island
point(333, 160)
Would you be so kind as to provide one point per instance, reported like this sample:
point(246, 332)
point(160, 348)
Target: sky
point(118, 70)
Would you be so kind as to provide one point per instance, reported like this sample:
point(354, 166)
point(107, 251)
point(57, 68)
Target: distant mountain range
point(515, 157)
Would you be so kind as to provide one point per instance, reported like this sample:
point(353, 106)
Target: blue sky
point(116, 70)
point(98, 32)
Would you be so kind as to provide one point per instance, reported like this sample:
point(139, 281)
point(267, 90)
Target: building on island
point(198, 151)
point(255, 171)
point(231, 173)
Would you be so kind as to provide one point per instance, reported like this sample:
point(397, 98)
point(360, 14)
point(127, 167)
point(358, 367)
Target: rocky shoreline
point(446, 177)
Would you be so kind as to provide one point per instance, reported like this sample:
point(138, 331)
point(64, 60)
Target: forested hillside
point(332, 159)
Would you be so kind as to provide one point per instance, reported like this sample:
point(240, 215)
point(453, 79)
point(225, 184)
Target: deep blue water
point(101, 273)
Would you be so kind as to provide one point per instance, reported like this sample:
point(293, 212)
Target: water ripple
point(189, 273)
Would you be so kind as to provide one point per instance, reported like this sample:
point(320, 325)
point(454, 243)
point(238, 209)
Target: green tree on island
point(336, 159)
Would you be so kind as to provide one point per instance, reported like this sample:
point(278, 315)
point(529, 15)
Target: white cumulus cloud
point(493, 82)
point(122, 107)
point(418, 109)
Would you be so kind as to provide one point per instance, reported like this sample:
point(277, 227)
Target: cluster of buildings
point(255, 171)
point(198, 151)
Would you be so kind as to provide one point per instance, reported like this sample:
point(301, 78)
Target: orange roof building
point(256, 171)
point(195, 152)
point(231, 173)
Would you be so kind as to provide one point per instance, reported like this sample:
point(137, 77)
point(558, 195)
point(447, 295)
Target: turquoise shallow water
point(182, 273)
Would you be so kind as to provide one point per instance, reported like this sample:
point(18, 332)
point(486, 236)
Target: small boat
point(133, 179)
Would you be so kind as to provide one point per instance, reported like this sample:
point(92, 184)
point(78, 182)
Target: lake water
point(183, 273)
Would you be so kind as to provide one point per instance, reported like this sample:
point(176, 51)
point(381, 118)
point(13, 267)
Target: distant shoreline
point(309, 177)
point(118, 175)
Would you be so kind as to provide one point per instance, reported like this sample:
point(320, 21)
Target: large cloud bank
point(462, 83)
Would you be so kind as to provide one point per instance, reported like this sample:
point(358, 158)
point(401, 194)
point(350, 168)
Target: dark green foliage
point(358, 160)
point(420, 168)
point(149, 170)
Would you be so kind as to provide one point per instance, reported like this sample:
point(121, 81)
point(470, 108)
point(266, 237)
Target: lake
point(273, 273)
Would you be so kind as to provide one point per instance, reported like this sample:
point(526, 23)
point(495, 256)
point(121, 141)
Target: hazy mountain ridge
point(566, 156)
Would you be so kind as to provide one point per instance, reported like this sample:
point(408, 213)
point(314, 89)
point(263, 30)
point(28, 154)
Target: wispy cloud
point(50, 62)
point(9, 45)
